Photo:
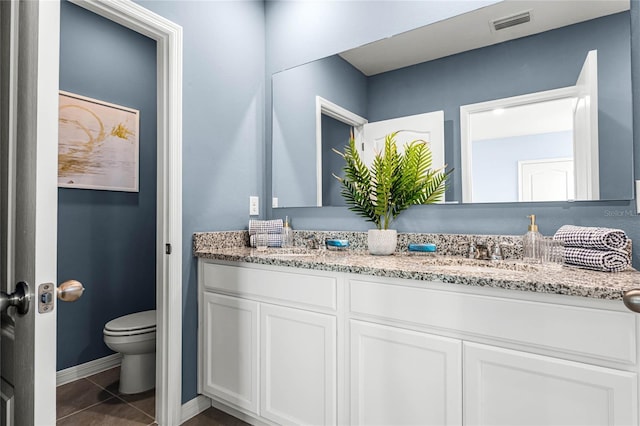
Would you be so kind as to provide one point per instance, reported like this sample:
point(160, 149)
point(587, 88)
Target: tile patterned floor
point(95, 401)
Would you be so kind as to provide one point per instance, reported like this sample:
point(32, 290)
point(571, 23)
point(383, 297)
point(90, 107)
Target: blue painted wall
point(331, 36)
point(106, 239)
point(495, 162)
point(335, 135)
point(223, 133)
point(294, 122)
point(549, 60)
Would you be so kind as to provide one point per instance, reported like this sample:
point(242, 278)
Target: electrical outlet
point(254, 209)
point(274, 202)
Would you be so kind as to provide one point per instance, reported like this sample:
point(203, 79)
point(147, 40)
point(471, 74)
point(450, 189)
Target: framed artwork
point(98, 144)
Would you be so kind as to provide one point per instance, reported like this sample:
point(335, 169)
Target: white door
point(298, 379)
point(546, 180)
point(506, 387)
point(28, 225)
point(428, 127)
point(585, 131)
point(403, 377)
point(229, 347)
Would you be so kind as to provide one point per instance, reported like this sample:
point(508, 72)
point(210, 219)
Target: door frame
point(168, 37)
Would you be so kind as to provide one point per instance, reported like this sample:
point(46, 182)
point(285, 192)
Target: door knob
point(70, 291)
point(631, 299)
point(19, 298)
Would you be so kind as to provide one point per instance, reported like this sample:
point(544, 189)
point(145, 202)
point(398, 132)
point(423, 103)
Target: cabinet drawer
point(595, 333)
point(312, 291)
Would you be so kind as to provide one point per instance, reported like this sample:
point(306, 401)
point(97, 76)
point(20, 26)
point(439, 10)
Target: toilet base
point(137, 373)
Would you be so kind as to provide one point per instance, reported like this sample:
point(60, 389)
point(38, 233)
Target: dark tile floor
point(95, 400)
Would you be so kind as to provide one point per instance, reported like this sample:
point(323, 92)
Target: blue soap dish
point(427, 248)
point(334, 244)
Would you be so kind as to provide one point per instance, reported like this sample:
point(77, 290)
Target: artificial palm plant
point(394, 181)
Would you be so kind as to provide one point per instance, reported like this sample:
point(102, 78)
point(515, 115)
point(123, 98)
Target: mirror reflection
point(536, 147)
point(465, 87)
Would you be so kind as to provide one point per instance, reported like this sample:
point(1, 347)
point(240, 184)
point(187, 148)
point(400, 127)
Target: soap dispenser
point(287, 233)
point(532, 242)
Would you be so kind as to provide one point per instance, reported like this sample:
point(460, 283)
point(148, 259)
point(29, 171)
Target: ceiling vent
point(511, 21)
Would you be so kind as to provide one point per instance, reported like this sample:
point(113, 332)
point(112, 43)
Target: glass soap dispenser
point(532, 242)
point(287, 233)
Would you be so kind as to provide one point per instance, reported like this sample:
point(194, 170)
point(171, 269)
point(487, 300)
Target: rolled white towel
point(592, 237)
point(265, 226)
point(599, 260)
point(273, 240)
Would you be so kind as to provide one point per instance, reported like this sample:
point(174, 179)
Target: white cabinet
point(506, 387)
point(229, 350)
point(404, 377)
point(296, 346)
point(298, 366)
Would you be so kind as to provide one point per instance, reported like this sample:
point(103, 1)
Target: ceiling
point(474, 30)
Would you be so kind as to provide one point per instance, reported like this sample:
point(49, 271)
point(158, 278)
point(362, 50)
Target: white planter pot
point(382, 241)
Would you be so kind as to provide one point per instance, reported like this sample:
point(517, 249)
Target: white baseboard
point(247, 418)
point(194, 407)
point(87, 369)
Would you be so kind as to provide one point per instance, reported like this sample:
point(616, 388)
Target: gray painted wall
point(476, 218)
point(106, 239)
point(223, 132)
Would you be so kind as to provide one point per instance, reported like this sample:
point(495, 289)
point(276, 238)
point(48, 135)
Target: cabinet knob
point(631, 299)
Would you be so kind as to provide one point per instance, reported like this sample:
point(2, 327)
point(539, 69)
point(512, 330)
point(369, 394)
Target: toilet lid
point(131, 322)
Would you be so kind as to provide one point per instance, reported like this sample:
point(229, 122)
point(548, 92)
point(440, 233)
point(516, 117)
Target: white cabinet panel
point(230, 350)
point(312, 291)
point(505, 387)
point(403, 377)
point(298, 366)
point(580, 332)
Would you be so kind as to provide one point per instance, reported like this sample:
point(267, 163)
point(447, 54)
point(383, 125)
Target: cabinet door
point(506, 387)
point(229, 354)
point(404, 377)
point(298, 366)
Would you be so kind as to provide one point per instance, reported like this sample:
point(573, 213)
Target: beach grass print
point(98, 144)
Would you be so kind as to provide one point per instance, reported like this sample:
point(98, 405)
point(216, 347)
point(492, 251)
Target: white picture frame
point(98, 146)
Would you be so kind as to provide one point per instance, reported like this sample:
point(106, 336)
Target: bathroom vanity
point(347, 338)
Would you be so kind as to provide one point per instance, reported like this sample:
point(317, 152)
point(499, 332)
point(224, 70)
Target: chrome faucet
point(312, 243)
point(482, 251)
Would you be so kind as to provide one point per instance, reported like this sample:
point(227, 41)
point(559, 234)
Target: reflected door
point(546, 180)
point(428, 127)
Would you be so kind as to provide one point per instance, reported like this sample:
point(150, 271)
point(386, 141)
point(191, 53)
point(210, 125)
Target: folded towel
point(265, 226)
point(591, 237)
point(599, 260)
point(273, 240)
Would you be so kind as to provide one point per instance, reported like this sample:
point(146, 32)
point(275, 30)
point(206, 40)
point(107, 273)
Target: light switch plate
point(254, 209)
point(274, 202)
point(638, 197)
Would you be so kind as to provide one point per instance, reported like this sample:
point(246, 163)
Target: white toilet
point(134, 336)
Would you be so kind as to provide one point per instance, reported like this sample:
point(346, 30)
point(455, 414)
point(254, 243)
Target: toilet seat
point(136, 324)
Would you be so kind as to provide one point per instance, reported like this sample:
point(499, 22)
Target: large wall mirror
point(484, 80)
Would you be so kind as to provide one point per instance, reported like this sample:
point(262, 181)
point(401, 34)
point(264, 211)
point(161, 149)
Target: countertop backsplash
point(447, 244)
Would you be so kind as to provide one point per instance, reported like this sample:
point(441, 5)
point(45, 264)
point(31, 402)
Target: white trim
point(168, 37)
point(339, 113)
point(194, 407)
point(87, 369)
point(465, 128)
point(245, 417)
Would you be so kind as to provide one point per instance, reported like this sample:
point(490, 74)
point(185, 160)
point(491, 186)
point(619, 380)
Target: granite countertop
point(507, 274)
